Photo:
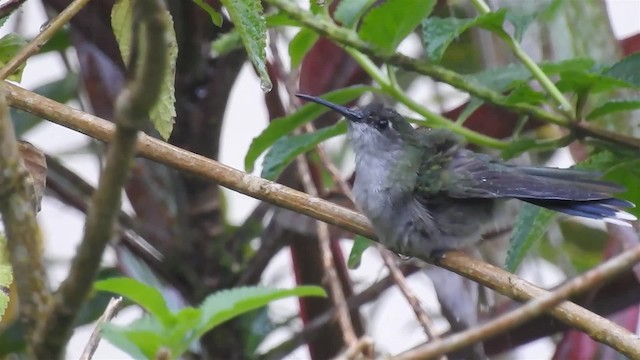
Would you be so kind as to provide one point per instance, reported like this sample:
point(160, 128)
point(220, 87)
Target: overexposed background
point(62, 226)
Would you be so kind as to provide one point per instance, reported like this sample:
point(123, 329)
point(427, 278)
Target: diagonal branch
point(132, 109)
point(503, 282)
point(591, 279)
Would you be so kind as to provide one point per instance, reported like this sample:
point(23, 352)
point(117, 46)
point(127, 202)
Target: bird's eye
point(381, 124)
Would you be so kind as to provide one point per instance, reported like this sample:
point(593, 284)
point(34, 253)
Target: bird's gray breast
point(411, 225)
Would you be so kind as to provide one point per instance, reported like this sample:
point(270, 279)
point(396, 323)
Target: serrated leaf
point(10, 44)
point(614, 106)
point(531, 224)
point(517, 147)
point(283, 126)
point(227, 304)
point(300, 45)
point(501, 79)
point(248, 19)
point(438, 33)
point(580, 81)
point(285, 150)
point(141, 339)
point(226, 43)
point(144, 295)
point(388, 24)
point(627, 70)
point(349, 12)
point(360, 244)
point(162, 114)
point(216, 18)
point(179, 337)
point(525, 94)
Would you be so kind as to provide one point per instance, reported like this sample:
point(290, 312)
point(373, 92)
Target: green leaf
point(438, 33)
point(227, 304)
point(285, 150)
point(388, 24)
point(518, 146)
point(627, 173)
point(141, 339)
point(360, 244)
point(283, 126)
point(226, 43)
point(520, 23)
point(248, 19)
point(349, 12)
point(179, 337)
point(163, 112)
point(581, 81)
point(216, 18)
point(300, 45)
point(525, 94)
point(6, 276)
point(513, 75)
point(530, 226)
point(613, 106)
point(144, 295)
point(627, 70)
point(501, 79)
point(10, 44)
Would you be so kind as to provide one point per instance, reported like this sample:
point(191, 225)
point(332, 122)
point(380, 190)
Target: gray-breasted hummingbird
point(423, 191)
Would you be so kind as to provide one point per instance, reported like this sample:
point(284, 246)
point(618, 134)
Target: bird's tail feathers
point(605, 209)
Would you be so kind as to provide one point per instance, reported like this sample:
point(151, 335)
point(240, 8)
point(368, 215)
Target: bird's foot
point(437, 255)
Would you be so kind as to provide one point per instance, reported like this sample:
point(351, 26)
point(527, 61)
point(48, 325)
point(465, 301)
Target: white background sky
point(63, 226)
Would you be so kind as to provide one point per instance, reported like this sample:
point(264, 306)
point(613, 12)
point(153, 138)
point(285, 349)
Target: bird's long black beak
point(355, 115)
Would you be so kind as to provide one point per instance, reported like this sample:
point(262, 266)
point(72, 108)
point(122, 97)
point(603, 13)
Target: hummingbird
point(424, 191)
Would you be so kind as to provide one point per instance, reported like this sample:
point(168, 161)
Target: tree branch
point(132, 108)
point(505, 283)
point(628, 345)
point(24, 239)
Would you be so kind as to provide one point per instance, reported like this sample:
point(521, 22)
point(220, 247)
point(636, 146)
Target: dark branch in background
point(24, 239)
point(486, 274)
point(133, 106)
point(350, 39)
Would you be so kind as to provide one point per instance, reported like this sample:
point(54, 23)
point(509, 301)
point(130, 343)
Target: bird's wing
point(479, 176)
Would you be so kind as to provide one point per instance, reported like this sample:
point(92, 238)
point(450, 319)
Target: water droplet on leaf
point(265, 85)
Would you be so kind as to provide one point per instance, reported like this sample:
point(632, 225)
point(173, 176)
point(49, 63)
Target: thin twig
point(501, 281)
point(47, 31)
point(24, 239)
point(324, 237)
point(411, 297)
point(132, 108)
point(356, 350)
point(94, 339)
point(536, 307)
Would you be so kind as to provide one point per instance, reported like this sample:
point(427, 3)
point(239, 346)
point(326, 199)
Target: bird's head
point(372, 129)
